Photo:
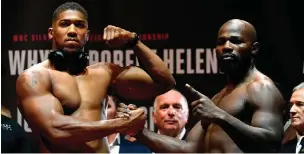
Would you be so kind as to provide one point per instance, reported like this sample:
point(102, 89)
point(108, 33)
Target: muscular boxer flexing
point(60, 97)
point(245, 116)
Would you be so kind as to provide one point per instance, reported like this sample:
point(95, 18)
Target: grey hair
point(182, 100)
point(300, 86)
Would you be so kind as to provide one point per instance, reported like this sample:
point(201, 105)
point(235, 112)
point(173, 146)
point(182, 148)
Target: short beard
point(235, 67)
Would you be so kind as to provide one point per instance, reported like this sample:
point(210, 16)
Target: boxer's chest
point(233, 102)
point(79, 94)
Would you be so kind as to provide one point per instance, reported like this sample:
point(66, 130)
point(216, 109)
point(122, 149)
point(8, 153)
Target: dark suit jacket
point(127, 146)
point(290, 146)
point(185, 136)
point(13, 137)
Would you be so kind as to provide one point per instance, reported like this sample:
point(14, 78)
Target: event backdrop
point(182, 33)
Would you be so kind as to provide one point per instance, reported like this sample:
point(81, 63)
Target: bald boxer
point(245, 116)
point(60, 97)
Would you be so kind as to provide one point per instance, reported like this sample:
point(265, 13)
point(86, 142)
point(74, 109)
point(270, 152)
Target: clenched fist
point(116, 36)
point(134, 116)
point(123, 111)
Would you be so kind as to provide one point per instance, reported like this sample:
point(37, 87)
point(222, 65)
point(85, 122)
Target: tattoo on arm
point(30, 80)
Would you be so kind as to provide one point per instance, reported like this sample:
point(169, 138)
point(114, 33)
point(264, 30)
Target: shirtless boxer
point(60, 97)
point(245, 116)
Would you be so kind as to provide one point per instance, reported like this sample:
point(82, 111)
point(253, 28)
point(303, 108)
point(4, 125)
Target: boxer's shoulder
point(40, 68)
point(34, 74)
point(260, 82)
point(100, 68)
point(105, 67)
point(262, 90)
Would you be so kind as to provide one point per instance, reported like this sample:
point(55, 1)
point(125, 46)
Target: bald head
point(242, 26)
point(237, 39)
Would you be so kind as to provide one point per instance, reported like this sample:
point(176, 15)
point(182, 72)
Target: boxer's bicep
point(267, 120)
point(36, 103)
point(267, 102)
point(41, 111)
point(133, 83)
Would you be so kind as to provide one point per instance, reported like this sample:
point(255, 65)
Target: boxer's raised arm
point(134, 83)
point(44, 114)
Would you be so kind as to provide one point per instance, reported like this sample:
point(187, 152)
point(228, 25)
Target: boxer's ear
point(255, 49)
point(50, 33)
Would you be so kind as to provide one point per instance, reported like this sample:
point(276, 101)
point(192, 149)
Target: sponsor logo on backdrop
point(93, 37)
point(180, 61)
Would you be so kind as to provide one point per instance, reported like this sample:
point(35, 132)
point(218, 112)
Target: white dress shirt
point(114, 146)
point(299, 145)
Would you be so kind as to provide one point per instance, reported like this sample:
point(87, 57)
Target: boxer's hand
point(135, 122)
point(204, 108)
point(137, 117)
point(116, 36)
point(123, 111)
point(132, 107)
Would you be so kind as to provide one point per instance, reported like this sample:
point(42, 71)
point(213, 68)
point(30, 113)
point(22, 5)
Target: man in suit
point(296, 145)
point(171, 114)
